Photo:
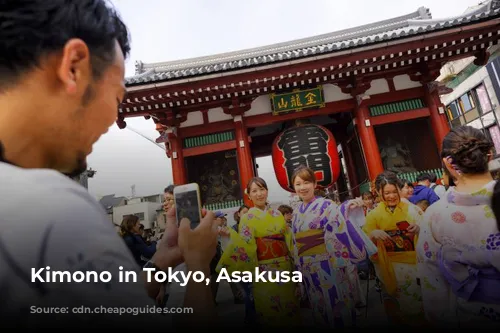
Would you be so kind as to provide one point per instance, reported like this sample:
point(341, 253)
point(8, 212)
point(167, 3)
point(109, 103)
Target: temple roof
point(418, 22)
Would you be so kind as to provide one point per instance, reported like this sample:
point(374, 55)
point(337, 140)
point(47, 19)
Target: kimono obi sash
point(271, 247)
point(472, 279)
point(311, 242)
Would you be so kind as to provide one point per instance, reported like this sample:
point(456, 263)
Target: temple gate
point(217, 114)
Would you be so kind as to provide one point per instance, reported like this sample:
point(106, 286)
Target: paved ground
point(235, 313)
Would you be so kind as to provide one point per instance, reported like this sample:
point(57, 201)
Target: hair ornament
point(452, 163)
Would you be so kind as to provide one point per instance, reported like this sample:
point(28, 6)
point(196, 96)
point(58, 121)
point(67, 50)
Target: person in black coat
point(130, 230)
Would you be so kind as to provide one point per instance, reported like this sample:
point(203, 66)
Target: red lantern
point(309, 145)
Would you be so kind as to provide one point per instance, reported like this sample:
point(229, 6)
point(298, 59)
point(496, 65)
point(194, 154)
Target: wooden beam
point(268, 118)
point(398, 95)
point(207, 149)
point(223, 103)
point(400, 116)
point(330, 108)
point(210, 128)
point(265, 119)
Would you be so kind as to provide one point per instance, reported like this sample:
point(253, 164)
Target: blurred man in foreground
point(61, 82)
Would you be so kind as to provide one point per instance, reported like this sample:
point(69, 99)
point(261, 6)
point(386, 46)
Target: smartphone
point(188, 203)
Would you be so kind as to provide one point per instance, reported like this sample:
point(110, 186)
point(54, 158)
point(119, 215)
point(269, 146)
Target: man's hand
point(198, 246)
point(224, 232)
point(168, 253)
point(161, 296)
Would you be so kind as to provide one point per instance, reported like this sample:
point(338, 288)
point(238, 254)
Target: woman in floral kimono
point(495, 203)
point(459, 248)
point(264, 241)
point(394, 227)
point(327, 248)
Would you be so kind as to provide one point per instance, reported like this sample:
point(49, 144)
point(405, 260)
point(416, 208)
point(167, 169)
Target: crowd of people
point(419, 245)
point(438, 267)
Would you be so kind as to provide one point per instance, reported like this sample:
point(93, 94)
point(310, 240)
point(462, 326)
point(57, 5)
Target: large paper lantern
point(310, 145)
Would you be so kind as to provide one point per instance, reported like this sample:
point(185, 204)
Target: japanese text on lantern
point(297, 100)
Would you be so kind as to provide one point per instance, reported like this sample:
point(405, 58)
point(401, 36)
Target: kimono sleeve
point(437, 296)
point(241, 252)
point(359, 246)
point(289, 240)
point(371, 223)
point(416, 214)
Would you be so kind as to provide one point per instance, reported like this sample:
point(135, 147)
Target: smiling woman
point(327, 245)
point(264, 242)
point(393, 225)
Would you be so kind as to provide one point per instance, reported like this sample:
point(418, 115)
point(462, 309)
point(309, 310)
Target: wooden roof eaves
point(421, 25)
point(291, 63)
point(205, 81)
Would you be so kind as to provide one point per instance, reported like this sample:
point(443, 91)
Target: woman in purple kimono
point(327, 248)
point(459, 246)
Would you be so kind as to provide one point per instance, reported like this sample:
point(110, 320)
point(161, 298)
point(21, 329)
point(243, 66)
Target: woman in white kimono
point(459, 245)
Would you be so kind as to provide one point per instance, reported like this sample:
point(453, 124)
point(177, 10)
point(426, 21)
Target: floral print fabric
point(402, 295)
point(276, 303)
point(329, 274)
point(459, 259)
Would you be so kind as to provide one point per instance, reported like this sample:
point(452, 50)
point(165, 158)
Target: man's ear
point(74, 69)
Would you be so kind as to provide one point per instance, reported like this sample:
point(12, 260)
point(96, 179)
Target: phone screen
point(187, 205)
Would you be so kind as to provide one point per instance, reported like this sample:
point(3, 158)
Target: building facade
point(109, 202)
point(474, 100)
point(145, 208)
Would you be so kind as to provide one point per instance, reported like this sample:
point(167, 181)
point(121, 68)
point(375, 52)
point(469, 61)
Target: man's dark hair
point(367, 195)
point(285, 209)
point(403, 182)
point(424, 176)
point(169, 189)
point(33, 29)
point(434, 178)
point(423, 202)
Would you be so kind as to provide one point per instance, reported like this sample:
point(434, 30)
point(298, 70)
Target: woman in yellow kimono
point(264, 240)
point(394, 226)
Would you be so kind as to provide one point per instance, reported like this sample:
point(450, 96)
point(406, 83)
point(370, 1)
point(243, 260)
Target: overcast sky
point(164, 30)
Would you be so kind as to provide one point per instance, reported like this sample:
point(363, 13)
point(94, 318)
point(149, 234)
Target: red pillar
point(177, 157)
point(368, 141)
point(244, 155)
point(439, 122)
